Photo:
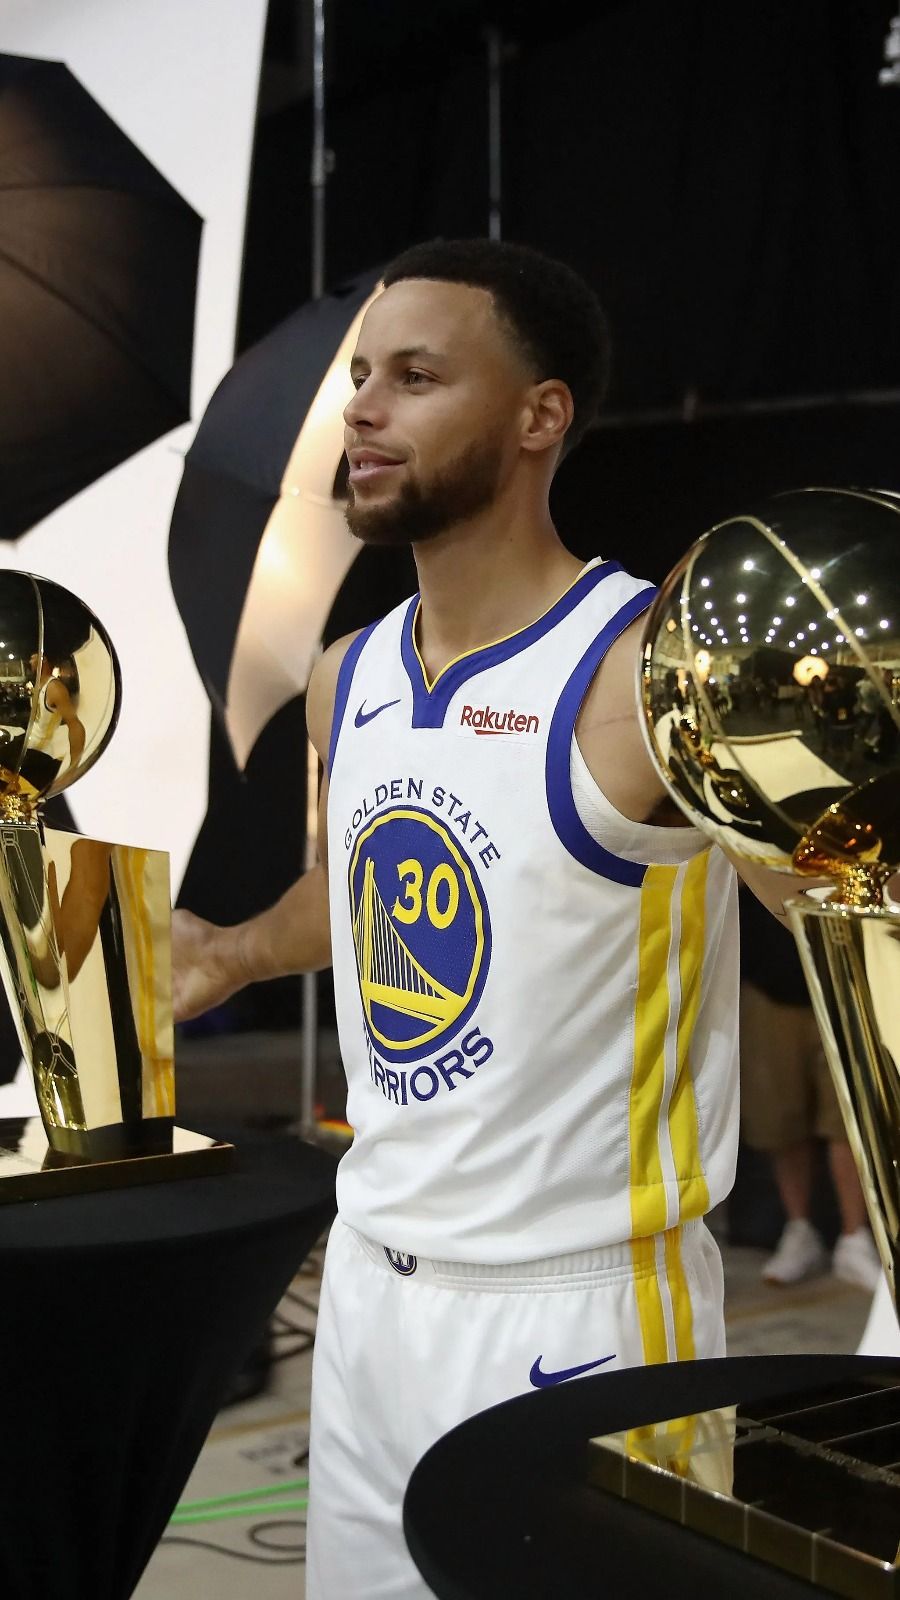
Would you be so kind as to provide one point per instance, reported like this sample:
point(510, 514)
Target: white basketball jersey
point(539, 1034)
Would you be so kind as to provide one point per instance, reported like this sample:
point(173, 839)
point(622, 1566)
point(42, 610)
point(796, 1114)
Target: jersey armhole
point(567, 823)
point(646, 842)
point(342, 689)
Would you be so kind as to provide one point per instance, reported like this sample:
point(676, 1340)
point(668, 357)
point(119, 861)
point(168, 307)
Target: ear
point(548, 415)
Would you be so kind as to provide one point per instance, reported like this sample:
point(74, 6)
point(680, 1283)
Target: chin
point(387, 529)
point(372, 529)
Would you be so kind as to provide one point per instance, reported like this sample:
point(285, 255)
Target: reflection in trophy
point(770, 683)
point(84, 925)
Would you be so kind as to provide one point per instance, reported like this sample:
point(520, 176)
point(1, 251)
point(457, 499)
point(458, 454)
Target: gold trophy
point(85, 926)
point(770, 686)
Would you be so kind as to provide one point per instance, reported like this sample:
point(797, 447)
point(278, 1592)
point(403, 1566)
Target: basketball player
point(535, 961)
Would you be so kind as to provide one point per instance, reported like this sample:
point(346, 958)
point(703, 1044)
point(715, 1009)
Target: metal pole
point(321, 166)
point(693, 409)
point(320, 162)
point(494, 40)
point(309, 1046)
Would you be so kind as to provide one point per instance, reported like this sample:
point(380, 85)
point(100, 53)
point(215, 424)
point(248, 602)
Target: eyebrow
point(410, 353)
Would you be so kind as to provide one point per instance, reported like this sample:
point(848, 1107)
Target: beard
point(466, 486)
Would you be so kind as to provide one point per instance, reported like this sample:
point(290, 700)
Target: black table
point(499, 1508)
point(123, 1317)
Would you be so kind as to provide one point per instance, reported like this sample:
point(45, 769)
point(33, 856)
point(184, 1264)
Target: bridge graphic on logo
point(389, 974)
point(423, 951)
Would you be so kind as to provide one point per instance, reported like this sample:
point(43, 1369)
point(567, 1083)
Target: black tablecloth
point(123, 1316)
point(499, 1508)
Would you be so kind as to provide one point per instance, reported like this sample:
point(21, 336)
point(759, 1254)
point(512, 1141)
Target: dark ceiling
point(725, 175)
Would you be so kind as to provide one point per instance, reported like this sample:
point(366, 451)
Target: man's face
point(431, 431)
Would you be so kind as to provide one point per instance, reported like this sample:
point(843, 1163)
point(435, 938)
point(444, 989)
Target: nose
point(363, 409)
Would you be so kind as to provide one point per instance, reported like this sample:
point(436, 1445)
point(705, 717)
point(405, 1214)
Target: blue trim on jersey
point(412, 663)
point(342, 692)
point(430, 706)
point(561, 802)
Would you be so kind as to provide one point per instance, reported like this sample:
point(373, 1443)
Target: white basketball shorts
point(406, 1349)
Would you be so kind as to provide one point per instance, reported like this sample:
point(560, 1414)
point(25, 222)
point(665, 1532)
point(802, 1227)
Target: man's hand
point(210, 963)
point(206, 965)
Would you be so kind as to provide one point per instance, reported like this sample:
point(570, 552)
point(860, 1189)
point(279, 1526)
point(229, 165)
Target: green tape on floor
point(180, 1519)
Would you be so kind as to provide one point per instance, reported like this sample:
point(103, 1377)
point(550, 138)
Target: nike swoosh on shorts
point(363, 716)
point(544, 1380)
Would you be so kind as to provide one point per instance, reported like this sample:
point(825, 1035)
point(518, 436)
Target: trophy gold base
point(808, 1483)
point(31, 1170)
point(851, 959)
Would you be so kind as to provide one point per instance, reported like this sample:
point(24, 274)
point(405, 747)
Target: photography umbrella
point(258, 547)
point(98, 266)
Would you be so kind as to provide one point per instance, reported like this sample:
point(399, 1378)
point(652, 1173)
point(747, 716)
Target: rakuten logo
point(483, 719)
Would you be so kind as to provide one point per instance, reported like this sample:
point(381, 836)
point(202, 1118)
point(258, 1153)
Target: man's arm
point(211, 963)
point(612, 743)
point(59, 699)
point(773, 889)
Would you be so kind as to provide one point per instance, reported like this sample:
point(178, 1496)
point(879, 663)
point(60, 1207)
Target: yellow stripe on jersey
point(654, 1020)
point(680, 1429)
point(644, 1442)
point(683, 1126)
point(651, 1021)
point(682, 1310)
point(649, 1301)
point(649, 1295)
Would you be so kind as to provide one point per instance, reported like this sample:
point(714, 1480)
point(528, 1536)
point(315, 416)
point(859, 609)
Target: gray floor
point(261, 1443)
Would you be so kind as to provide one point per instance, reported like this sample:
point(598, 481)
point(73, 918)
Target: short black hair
point(554, 315)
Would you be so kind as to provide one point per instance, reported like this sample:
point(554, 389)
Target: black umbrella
point(98, 264)
point(258, 547)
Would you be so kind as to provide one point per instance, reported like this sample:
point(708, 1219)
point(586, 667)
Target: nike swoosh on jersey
point(363, 716)
point(544, 1380)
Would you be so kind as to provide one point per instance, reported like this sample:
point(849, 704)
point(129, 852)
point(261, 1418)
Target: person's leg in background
point(788, 1103)
point(777, 1118)
point(855, 1258)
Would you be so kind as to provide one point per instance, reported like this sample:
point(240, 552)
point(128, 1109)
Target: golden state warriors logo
point(421, 931)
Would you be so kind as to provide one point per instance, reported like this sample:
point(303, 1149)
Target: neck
point(485, 579)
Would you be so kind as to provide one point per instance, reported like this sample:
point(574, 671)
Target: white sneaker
point(856, 1260)
point(800, 1254)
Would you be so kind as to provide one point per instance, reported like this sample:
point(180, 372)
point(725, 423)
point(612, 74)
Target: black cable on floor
point(253, 1534)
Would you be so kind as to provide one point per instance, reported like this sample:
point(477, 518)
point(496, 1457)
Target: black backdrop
point(724, 175)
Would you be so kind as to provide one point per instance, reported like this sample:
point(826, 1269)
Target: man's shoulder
point(323, 683)
point(614, 686)
point(609, 732)
point(56, 695)
point(621, 604)
point(322, 690)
